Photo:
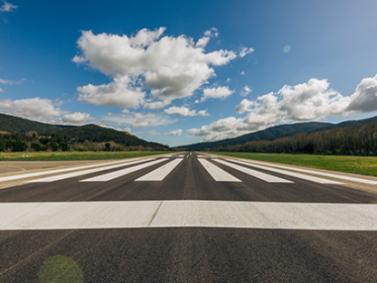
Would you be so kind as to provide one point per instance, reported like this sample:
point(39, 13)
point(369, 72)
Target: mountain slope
point(349, 137)
point(267, 134)
point(28, 131)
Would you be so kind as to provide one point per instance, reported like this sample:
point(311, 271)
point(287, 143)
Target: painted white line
point(56, 171)
point(217, 173)
point(85, 172)
point(320, 173)
point(260, 175)
point(289, 173)
point(187, 213)
point(160, 173)
point(122, 172)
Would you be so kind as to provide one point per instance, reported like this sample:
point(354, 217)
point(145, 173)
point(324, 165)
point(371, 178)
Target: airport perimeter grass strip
point(364, 165)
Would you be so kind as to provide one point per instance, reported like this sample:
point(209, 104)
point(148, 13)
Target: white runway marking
point(217, 173)
point(289, 173)
point(320, 173)
point(260, 175)
point(160, 173)
point(186, 213)
point(85, 172)
point(56, 171)
point(122, 172)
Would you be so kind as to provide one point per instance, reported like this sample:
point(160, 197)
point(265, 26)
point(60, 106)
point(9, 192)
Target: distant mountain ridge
point(348, 137)
point(266, 134)
point(23, 130)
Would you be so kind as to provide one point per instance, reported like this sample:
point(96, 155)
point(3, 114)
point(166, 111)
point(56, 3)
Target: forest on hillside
point(355, 140)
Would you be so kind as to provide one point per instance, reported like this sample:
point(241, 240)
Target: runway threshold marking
point(260, 175)
point(85, 172)
point(160, 173)
point(187, 213)
point(217, 173)
point(320, 173)
point(116, 174)
point(288, 173)
point(57, 171)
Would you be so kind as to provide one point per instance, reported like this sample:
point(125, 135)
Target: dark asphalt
point(189, 254)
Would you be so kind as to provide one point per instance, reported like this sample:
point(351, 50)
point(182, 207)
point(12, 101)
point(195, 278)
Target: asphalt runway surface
point(188, 217)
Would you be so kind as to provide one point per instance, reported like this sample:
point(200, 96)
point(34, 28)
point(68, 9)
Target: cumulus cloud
point(216, 92)
point(32, 108)
point(208, 34)
point(245, 90)
point(119, 92)
point(137, 120)
point(7, 7)
point(184, 111)
point(167, 67)
point(365, 97)
point(312, 100)
point(220, 129)
point(175, 133)
point(245, 51)
point(76, 118)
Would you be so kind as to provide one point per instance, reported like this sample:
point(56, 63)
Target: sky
point(179, 72)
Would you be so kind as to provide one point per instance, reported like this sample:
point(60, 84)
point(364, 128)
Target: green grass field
point(365, 165)
point(74, 155)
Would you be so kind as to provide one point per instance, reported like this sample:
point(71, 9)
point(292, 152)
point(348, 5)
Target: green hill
point(18, 134)
point(267, 134)
point(349, 137)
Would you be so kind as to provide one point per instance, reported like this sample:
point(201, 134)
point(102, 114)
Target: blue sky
point(209, 69)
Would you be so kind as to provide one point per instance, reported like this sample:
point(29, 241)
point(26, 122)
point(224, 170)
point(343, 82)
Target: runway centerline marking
point(116, 174)
point(160, 173)
point(217, 173)
point(289, 173)
point(187, 213)
point(260, 175)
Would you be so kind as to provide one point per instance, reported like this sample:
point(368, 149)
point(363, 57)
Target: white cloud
point(32, 108)
point(220, 129)
point(169, 67)
point(137, 120)
point(6, 82)
point(216, 92)
point(1, 90)
point(184, 111)
point(312, 100)
point(208, 34)
point(243, 73)
point(175, 133)
point(119, 92)
point(7, 7)
point(76, 118)
point(245, 90)
point(245, 51)
point(365, 97)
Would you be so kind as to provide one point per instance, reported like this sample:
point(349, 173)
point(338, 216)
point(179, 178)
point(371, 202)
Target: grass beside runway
point(74, 155)
point(365, 165)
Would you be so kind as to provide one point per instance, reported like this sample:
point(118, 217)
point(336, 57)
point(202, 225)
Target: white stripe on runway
point(187, 213)
point(260, 175)
point(160, 173)
point(217, 173)
point(289, 173)
point(56, 171)
point(85, 172)
point(119, 173)
point(320, 173)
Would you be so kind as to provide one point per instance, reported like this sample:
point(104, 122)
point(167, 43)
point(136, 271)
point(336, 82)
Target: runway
point(189, 217)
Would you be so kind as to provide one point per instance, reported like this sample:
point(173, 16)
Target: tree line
point(356, 140)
